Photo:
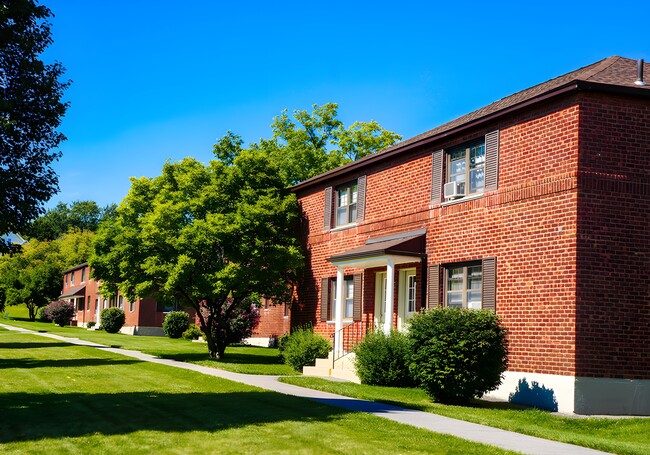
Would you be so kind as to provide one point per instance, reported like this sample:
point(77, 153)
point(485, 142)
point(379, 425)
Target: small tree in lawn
point(60, 311)
point(208, 236)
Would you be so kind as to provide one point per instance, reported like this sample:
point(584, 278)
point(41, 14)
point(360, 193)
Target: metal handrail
point(350, 333)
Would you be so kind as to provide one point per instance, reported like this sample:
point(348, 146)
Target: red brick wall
point(613, 312)
point(273, 322)
point(529, 225)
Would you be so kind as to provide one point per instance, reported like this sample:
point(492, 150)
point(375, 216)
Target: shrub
point(282, 340)
point(41, 315)
point(60, 311)
point(91, 324)
point(235, 326)
point(112, 319)
point(384, 360)
point(175, 323)
point(192, 333)
point(457, 354)
point(303, 347)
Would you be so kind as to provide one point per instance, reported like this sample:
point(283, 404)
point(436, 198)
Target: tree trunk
point(32, 311)
point(216, 347)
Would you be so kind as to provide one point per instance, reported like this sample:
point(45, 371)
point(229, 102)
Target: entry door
point(380, 299)
point(406, 299)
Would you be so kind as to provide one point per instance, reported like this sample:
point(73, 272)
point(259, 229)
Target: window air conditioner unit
point(453, 190)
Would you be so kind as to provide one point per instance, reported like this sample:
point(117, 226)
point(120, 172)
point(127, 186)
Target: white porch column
point(338, 311)
point(390, 295)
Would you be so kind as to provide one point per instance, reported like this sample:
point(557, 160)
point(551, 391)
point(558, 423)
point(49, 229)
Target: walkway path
point(466, 430)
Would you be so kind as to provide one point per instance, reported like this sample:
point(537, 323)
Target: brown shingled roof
point(610, 73)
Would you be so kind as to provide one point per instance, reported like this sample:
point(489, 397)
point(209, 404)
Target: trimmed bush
point(384, 360)
point(60, 311)
point(192, 333)
point(41, 315)
point(457, 354)
point(175, 323)
point(91, 324)
point(303, 347)
point(282, 340)
point(112, 319)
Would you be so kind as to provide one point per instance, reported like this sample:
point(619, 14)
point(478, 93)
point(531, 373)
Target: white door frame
point(403, 315)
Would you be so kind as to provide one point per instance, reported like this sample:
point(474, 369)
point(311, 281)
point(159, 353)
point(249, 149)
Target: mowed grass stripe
point(625, 436)
point(238, 359)
point(60, 398)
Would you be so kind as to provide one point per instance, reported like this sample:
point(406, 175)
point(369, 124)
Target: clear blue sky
point(158, 80)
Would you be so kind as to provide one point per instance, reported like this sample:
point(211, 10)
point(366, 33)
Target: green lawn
point(622, 435)
point(61, 398)
point(239, 359)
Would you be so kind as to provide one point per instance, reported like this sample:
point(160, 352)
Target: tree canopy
point(79, 216)
point(212, 237)
point(34, 276)
point(30, 113)
point(306, 144)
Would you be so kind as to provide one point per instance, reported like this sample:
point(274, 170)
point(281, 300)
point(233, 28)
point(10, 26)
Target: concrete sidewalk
point(433, 422)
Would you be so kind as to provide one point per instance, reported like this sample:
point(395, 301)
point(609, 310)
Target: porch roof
point(74, 292)
point(400, 248)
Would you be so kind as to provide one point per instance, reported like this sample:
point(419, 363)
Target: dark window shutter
point(491, 161)
point(327, 225)
point(489, 296)
point(356, 301)
point(436, 176)
point(434, 286)
point(361, 198)
point(324, 298)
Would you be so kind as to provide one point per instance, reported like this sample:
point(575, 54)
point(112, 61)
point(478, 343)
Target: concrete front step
point(343, 368)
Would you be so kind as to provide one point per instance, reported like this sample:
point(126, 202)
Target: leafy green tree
point(34, 276)
point(208, 236)
point(307, 144)
point(79, 216)
point(30, 113)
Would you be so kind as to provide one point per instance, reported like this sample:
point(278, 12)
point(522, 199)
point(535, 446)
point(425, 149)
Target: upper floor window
point(71, 278)
point(464, 286)
point(471, 169)
point(83, 275)
point(466, 168)
point(346, 204)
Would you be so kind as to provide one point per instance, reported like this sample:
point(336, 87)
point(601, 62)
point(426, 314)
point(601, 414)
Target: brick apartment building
point(145, 316)
point(536, 206)
point(142, 317)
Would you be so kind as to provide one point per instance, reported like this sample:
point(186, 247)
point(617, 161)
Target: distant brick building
point(536, 206)
point(143, 316)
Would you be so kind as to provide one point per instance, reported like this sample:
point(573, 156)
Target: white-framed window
point(120, 300)
point(71, 278)
point(410, 293)
point(348, 298)
point(466, 167)
point(83, 275)
point(464, 286)
point(131, 307)
point(88, 306)
point(346, 203)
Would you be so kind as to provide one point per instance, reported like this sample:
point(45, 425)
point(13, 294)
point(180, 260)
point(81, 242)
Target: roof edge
point(572, 86)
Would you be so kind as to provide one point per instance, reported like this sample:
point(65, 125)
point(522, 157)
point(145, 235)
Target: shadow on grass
point(28, 416)
point(33, 345)
point(62, 363)
point(234, 358)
